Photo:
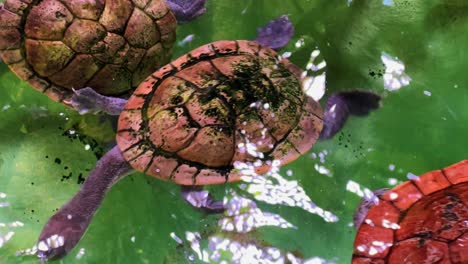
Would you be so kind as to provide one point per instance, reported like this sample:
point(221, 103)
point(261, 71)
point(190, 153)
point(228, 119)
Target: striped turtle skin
point(193, 119)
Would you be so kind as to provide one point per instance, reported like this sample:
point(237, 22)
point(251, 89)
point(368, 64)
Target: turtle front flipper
point(87, 100)
point(342, 104)
point(186, 10)
point(65, 229)
point(201, 199)
point(276, 34)
point(366, 203)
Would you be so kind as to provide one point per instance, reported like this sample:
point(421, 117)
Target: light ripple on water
point(6, 236)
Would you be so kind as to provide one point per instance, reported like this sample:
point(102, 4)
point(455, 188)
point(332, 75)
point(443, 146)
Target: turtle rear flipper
point(201, 199)
point(342, 104)
point(186, 10)
point(360, 103)
point(276, 34)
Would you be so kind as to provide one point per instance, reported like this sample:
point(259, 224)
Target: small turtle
point(190, 123)
point(111, 46)
point(424, 220)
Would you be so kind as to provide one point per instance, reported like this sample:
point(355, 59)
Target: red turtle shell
point(109, 45)
point(194, 118)
point(424, 220)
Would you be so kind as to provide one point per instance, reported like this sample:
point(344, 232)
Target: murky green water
point(46, 150)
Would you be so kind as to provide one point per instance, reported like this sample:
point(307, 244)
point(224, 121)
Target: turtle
point(111, 46)
point(423, 220)
point(190, 122)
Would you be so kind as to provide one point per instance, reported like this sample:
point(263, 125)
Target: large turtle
point(424, 220)
point(189, 122)
point(109, 45)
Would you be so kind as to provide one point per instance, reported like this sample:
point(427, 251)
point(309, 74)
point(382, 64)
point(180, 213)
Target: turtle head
point(60, 235)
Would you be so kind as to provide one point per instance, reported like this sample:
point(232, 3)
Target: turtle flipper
point(365, 205)
point(186, 10)
point(86, 101)
point(65, 229)
point(201, 199)
point(342, 104)
point(276, 34)
point(360, 103)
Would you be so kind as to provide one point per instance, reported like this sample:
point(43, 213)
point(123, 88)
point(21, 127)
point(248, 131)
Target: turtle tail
point(343, 104)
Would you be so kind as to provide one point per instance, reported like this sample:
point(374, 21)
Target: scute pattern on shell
point(111, 45)
point(424, 220)
point(187, 122)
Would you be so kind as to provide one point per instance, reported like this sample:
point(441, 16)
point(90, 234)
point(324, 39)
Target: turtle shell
point(111, 45)
point(424, 220)
point(194, 118)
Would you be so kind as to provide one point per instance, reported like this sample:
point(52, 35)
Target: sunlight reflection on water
point(5, 236)
point(394, 76)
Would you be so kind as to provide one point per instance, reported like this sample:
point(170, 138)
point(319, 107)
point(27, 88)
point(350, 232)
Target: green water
point(40, 161)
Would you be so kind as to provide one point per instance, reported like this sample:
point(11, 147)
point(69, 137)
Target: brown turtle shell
point(110, 46)
point(192, 119)
point(424, 220)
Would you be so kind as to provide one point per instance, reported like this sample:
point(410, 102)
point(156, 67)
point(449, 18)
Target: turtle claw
point(186, 10)
point(276, 34)
point(201, 199)
point(88, 101)
point(60, 235)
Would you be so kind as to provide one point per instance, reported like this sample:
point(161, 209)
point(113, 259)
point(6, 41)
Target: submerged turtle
point(189, 122)
point(424, 220)
point(111, 46)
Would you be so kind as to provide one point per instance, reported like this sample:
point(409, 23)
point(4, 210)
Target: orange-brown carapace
point(191, 120)
point(424, 220)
